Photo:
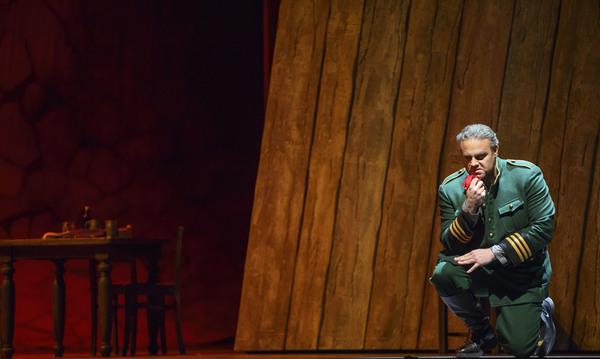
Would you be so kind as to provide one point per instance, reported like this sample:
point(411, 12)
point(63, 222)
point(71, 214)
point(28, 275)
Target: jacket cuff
point(500, 255)
point(471, 218)
point(517, 247)
point(460, 230)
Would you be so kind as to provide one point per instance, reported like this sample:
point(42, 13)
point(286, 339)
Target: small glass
point(68, 226)
point(111, 228)
point(92, 224)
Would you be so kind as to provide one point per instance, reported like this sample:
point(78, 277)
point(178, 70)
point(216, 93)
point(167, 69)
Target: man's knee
point(447, 279)
point(518, 327)
point(520, 347)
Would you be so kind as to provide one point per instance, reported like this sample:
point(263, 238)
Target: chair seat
point(148, 288)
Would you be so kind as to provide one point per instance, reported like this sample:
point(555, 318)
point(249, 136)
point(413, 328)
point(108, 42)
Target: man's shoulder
point(520, 163)
point(456, 176)
point(521, 166)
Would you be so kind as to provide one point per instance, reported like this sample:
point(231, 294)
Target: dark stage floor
point(224, 350)
point(230, 354)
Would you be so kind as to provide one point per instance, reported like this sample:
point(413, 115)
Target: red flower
point(467, 181)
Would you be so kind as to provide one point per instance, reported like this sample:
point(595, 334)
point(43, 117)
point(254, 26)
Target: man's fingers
point(465, 259)
point(475, 266)
point(460, 259)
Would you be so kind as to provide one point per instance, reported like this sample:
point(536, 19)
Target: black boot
point(481, 334)
point(548, 330)
point(478, 341)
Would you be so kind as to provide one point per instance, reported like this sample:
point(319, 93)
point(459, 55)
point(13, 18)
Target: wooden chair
point(444, 333)
point(159, 291)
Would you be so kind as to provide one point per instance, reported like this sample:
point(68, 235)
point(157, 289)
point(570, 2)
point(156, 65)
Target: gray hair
point(477, 132)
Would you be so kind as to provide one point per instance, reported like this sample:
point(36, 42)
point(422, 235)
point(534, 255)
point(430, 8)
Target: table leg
point(58, 307)
point(151, 314)
point(105, 306)
point(93, 305)
point(7, 301)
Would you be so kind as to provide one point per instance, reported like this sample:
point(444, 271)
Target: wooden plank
point(281, 180)
point(527, 78)
point(551, 149)
point(578, 258)
point(586, 328)
point(409, 206)
point(478, 73)
point(568, 153)
point(475, 96)
point(358, 215)
point(337, 85)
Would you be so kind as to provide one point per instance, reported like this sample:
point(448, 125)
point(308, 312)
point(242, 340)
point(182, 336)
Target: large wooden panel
point(280, 187)
point(367, 97)
point(324, 173)
point(366, 156)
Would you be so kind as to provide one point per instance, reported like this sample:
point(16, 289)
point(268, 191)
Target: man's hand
point(475, 196)
point(477, 257)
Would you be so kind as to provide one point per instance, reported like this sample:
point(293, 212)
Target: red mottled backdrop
point(151, 113)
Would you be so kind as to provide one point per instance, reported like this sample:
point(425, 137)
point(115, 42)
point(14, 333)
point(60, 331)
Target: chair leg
point(129, 307)
point(153, 321)
point(443, 329)
point(115, 329)
point(163, 331)
point(178, 330)
point(134, 320)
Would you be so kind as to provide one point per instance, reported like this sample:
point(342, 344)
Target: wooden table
point(59, 251)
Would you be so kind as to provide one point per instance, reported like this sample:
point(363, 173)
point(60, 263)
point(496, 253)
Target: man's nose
point(474, 162)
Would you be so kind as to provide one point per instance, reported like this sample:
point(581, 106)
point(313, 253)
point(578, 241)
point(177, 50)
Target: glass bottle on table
point(87, 216)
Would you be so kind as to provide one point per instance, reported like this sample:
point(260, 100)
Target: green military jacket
point(518, 215)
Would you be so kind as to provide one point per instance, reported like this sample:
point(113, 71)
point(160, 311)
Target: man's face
point(479, 158)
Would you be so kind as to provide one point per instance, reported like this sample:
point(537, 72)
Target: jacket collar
point(500, 166)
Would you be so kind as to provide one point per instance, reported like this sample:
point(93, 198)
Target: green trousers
point(518, 326)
